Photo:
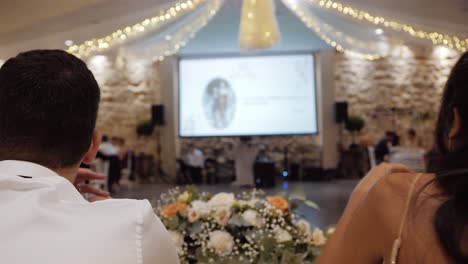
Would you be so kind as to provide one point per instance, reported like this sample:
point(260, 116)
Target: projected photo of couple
point(219, 103)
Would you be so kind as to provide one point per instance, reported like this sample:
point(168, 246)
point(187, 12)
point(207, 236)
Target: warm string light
point(346, 38)
point(437, 38)
point(121, 35)
point(314, 25)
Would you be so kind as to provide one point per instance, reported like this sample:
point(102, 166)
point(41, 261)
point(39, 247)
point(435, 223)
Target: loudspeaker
point(157, 114)
point(341, 112)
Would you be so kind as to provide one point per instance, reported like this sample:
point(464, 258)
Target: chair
point(372, 160)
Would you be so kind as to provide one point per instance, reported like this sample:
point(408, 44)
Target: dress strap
point(397, 243)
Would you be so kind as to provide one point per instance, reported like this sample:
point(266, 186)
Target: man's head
point(48, 109)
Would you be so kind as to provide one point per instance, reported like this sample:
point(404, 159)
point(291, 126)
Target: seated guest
point(382, 149)
point(262, 155)
point(195, 162)
point(413, 218)
point(412, 140)
point(48, 108)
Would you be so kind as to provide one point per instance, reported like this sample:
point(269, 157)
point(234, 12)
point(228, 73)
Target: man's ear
point(93, 148)
point(456, 125)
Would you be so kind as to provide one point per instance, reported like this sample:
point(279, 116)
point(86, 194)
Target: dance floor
point(331, 196)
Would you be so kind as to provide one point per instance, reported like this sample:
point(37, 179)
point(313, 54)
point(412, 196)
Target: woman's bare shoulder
point(404, 184)
point(390, 195)
point(387, 193)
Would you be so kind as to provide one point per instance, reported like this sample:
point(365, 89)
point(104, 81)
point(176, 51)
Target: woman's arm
point(357, 238)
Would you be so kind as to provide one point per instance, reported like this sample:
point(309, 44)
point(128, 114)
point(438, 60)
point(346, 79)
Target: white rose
point(251, 217)
point(222, 200)
point(202, 208)
point(192, 215)
point(317, 238)
point(178, 240)
point(282, 235)
point(331, 231)
point(222, 242)
point(304, 227)
point(184, 197)
point(222, 215)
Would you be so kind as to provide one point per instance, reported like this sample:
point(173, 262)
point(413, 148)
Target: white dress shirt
point(108, 149)
point(195, 158)
point(44, 219)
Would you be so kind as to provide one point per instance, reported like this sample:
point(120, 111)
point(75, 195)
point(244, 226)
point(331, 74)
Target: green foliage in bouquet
point(249, 228)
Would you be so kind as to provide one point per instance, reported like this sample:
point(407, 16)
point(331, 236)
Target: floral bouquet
point(250, 228)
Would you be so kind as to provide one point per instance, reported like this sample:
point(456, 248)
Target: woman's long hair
point(451, 163)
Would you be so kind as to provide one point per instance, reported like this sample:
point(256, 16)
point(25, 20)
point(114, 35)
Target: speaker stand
point(159, 171)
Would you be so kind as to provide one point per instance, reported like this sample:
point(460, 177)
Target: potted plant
point(145, 128)
point(354, 125)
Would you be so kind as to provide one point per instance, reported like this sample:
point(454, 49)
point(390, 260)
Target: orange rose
point(278, 202)
point(172, 209)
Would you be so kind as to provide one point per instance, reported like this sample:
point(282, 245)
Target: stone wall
point(128, 89)
point(396, 93)
point(399, 92)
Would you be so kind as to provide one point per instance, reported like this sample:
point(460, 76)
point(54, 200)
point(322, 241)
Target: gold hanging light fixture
point(258, 25)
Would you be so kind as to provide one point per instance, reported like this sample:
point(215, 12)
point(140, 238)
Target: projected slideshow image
point(246, 96)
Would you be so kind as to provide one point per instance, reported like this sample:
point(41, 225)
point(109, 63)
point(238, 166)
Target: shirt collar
point(25, 168)
point(65, 190)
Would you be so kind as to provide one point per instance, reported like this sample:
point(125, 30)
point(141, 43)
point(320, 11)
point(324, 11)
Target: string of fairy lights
point(339, 40)
point(124, 34)
point(321, 29)
point(437, 38)
point(329, 29)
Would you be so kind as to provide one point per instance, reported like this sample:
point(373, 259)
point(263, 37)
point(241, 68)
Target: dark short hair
point(49, 101)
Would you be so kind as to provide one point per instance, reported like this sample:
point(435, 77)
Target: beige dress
point(398, 242)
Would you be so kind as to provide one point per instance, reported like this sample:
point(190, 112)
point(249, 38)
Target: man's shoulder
point(119, 211)
point(118, 205)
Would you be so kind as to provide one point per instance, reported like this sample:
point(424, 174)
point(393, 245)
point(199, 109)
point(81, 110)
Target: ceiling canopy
point(49, 23)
